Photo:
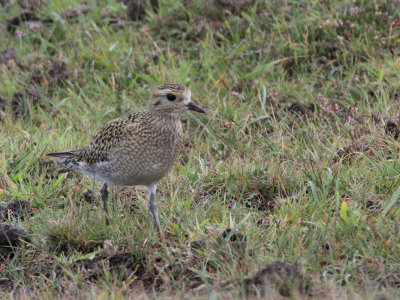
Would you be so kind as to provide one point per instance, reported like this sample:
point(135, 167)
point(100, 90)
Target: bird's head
point(173, 99)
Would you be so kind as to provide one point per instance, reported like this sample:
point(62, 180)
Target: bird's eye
point(171, 97)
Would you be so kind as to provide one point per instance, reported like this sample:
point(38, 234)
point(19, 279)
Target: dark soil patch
point(17, 209)
point(57, 72)
point(75, 12)
point(324, 109)
point(392, 129)
point(234, 5)
point(65, 243)
point(237, 240)
point(25, 16)
point(29, 15)
point(38, 77)
point(7, 54)
point(263, 222)
point(123, 259)
point(11, 235)
point(326, 246)
point(285, 277)
point(31, 94)
point(300, 109)
point(137, 8)
point(198, 244)
point(200, 27)
point(89, 197)
point(264, 197)
point(235, 237)
point(91, 270)
point(34, 96)
point(354, 147)
point(30, 4)
point(374, 206)
point(3, 103)
point(115, 22)
point(53, 73)
point(17, 104)
point(122, 265)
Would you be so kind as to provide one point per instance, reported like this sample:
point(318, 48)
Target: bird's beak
point(195, 107)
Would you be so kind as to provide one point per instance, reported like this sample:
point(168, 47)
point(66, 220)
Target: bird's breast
point(148, 156)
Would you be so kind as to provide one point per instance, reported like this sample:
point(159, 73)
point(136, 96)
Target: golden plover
point(138, 149)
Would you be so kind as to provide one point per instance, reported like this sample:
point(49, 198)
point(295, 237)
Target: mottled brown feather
point(108, 136)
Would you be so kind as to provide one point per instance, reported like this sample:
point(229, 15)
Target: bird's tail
point(66, 154)
point(67, 159)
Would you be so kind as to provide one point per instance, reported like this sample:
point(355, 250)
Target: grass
point(292, 154)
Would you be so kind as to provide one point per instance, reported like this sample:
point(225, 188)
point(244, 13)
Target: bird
point(135, 150)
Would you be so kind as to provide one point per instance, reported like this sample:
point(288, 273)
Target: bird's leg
point(104, 197)
point(154, 209)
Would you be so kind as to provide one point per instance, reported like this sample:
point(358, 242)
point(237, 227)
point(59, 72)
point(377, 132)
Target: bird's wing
point(109, 135)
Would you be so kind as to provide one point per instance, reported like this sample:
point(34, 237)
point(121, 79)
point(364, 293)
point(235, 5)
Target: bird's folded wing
point(109, 135)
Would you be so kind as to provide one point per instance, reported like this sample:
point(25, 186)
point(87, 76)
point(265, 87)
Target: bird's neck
point(168, 113)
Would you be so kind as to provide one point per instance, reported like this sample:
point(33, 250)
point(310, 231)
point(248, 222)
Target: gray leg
point(104, 196)
point(154, 210)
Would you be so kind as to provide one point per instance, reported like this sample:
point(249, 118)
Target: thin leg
point(154, 210)
point(104, 196)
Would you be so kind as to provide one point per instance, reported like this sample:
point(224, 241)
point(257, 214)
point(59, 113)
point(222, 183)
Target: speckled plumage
point(138, 149)
point(134, 150)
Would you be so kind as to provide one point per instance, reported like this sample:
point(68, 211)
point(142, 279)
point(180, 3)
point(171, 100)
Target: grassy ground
point(292, 156)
